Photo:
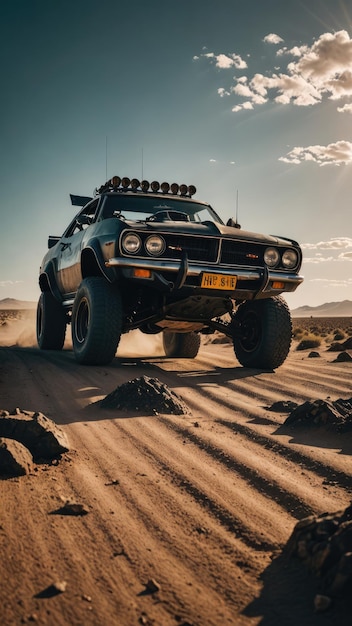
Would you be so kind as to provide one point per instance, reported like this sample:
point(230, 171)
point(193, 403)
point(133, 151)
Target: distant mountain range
point(16, 305)
point(329, 309)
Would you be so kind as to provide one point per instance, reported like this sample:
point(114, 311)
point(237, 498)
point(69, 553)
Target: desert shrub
point(309, 341)
point(339, 334)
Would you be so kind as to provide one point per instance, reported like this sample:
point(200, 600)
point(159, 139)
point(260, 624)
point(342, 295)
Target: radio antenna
point(142, 165)
point(236, 206)
point(106, 157)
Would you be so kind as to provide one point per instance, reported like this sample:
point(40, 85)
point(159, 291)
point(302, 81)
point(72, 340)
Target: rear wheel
point(51, 323)
point(181, 345)
point(96, 321)
point(265, 333)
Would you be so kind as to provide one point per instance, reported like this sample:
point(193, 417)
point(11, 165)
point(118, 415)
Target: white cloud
point(9, 283)
point(345, 256)
point(319, 71)
point(335, 243)
point(224, 61)
point(347, 108)
point(272, 38)
point(318, 258)
point(333, 282)
point(325, 251)
point(338, 153)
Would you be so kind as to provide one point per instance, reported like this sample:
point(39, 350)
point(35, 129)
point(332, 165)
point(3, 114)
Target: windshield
point(143, 208)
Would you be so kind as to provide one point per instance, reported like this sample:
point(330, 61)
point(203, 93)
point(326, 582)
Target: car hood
point(208, 229)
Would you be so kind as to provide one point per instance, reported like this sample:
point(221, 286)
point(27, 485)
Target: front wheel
point(51, 323)
point(96, 321)
point(264, 333)
point(181, 345)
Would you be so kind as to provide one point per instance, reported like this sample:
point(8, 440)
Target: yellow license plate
point(218, 281)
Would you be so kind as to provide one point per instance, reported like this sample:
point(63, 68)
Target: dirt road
point(202, 504)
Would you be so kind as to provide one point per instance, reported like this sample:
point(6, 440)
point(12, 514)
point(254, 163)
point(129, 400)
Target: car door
point(70, 248)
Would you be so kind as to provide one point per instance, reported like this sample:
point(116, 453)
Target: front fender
point(93, 263)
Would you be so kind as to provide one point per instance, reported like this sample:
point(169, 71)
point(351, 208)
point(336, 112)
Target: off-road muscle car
point(149, 256)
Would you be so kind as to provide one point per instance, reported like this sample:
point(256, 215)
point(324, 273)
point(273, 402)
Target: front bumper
point(251, 282)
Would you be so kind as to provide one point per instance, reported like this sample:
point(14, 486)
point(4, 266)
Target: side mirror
point(231, 222)
point(52, 241)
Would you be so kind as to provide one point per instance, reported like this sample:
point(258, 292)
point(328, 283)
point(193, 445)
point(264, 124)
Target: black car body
point(151, 257)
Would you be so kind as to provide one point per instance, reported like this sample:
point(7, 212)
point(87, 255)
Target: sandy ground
point(202, 504)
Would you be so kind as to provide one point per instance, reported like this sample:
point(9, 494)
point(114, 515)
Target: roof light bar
point(123, 184)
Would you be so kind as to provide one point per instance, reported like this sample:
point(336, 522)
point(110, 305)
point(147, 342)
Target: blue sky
point(253, 96)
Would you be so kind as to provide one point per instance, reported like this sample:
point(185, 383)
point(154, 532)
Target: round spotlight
point(131, 243)
point(174, 188)
point(134, 183)
point(125, 182)
point(183, 190)
point(144, 185)
point(155, 245)
point(115, 181)
point(165, 187)
point(271, 257)
point(155, 185)
point(289, 258)
point(192, 190)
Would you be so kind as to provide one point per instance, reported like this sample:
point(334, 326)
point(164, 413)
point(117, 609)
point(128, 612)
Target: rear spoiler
point(79, 200)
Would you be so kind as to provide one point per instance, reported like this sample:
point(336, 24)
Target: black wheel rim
point(251, 332)
point(82, 321)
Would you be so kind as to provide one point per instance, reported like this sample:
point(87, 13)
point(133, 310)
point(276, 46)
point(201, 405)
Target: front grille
point(241, 253)
point(197, 248)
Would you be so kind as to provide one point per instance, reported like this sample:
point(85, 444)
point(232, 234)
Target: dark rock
point(15, 459)
point(343, 357)
point(339, 346)
point(152, 586)
point(313, 355)
point(147, 395)
point(336, 415)
point(71, 508)
point(283, 406)
point(43, 438)
point(324, 544)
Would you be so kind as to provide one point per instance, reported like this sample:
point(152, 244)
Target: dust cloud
point(19, 329)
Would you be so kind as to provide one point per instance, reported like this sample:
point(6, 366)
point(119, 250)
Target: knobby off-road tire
point(181, 345)
point(51, 323)
point(96, 321)
point(265, 333)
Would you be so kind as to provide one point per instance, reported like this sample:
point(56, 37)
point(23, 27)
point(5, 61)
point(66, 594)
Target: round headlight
point(155, 185)
point(174, 188)
point(289, 258)
point(183, 190)
point(155, 245)
point(125, 182)
point(271, 257)
point(144, 185)
point(135, 183)
point(115, 181)
point(165, 187)
point(192, 190)
point(131, 243)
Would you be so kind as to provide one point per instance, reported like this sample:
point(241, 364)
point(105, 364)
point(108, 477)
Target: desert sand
point(187, 516)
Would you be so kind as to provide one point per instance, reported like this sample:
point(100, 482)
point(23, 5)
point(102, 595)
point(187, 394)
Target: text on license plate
point(218, 281)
